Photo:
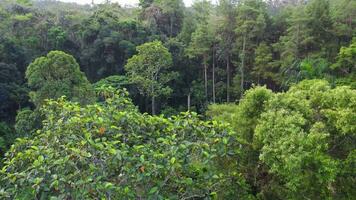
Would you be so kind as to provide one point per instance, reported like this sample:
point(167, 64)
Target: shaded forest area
point(242, 99)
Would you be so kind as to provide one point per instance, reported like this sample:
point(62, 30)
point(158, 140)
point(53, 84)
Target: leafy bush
point(110, 151)
point(115, 81)
point(298, 144)
point(26, 121)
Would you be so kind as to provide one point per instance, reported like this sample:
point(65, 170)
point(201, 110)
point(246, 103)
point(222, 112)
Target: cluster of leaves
point(109, 150)
point(345, 65)
point(298, 144)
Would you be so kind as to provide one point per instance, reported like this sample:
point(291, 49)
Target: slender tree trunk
point(153, 106)
point(206, 77)
point(298, 41)
point(213, 74)
point(243, 65)
point(153, 99)
point(228, 78)
point(171, 26)
point(147, 104)
point(188, 99)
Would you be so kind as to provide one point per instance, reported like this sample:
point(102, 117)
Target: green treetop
point(55, 75)
point(148, 69)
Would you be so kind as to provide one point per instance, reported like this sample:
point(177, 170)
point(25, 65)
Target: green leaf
point(40, 158)
point(153, 190)
point(108, 185)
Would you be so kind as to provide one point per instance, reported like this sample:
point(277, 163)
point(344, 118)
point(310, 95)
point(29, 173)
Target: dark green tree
point(57, 74)
point(251, 23)
point(264, 70)
point(13, 94)
point(226, 36)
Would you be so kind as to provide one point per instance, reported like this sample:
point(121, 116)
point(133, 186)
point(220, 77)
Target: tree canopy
point(55, 75)
point(149, 70)
point(302, 142)
point(110, 150)
point(227, 99)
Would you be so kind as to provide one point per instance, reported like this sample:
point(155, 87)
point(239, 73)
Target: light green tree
point(297, 144)
point(149, 70)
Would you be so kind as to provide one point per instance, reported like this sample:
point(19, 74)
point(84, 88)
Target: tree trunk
point(228, 78)
point(206, 77)
point(213, 75)
point(153, 98)
point(171, 26)
point(147, 104)
point(298, 42)
point(243, 65)
point(188, 99)
point(153, 106)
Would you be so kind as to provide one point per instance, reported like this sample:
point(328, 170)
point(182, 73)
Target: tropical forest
point(178, 99)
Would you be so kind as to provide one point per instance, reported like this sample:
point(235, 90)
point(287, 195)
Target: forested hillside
point(236, 99)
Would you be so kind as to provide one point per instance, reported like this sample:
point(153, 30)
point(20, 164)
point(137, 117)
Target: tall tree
point(55, 75)
point(308, 35)
point(173, 9)
point(201, 41)
point(320, 24)
point(294, 44)
point(264, 69)
point(200, 47)
point(107, 40)
point(226, 35)
point(343, 13)
point(251, 23)
point(149, 70)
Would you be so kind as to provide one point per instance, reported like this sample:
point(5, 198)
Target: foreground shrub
point(110, 151)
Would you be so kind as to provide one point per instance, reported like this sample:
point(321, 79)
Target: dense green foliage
point(109, 150)
point(299, 144)
point(218, 50)
point(257, 99)
point(148, 70)
point(56, 75)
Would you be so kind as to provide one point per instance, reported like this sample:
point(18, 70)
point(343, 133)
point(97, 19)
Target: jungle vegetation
point(236, 99)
